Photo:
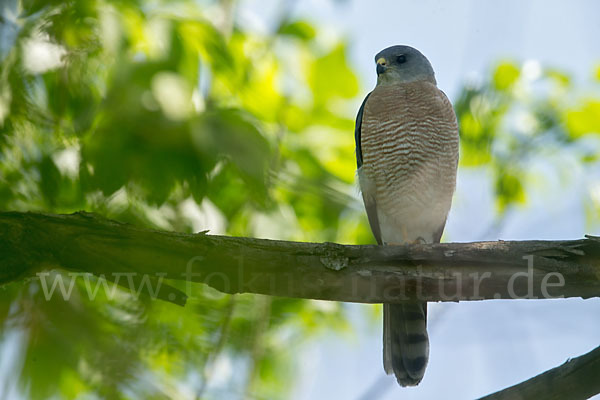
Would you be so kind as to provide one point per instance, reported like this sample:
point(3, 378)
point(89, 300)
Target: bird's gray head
point(402, 64)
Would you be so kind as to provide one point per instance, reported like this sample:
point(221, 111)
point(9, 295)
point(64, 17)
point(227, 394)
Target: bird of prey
point(407, 155)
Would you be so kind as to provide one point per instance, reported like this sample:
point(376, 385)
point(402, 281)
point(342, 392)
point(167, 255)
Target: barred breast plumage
point(410, 153)
point(407, 154)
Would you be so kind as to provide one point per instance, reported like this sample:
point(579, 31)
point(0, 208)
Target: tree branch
point(83, 242)
point(31, 243)
point(575, 379)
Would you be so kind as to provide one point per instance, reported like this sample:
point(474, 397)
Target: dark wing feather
point(371, 207)
point(437, 235)
point(357, 129)
point(370, 203)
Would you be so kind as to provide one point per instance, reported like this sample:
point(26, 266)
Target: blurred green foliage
point(172, 115)
point(524, 113)
point(135, 110)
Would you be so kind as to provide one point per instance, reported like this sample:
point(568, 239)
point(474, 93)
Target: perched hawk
point(407, 155)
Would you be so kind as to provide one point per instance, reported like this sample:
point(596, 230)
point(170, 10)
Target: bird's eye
point(401, 59)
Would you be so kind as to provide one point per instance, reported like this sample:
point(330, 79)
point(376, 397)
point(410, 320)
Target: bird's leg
point(419, 240)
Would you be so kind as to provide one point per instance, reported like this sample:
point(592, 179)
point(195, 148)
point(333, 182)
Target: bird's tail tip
point(405, 342)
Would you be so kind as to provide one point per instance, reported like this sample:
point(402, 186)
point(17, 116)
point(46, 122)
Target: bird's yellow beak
point(381, 65)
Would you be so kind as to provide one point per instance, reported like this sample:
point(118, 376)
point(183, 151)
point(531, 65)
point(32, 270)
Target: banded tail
point(405, 341)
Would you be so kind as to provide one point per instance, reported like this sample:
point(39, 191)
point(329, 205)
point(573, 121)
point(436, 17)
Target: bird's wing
point(367, 188)
point(357, 130)
point(450, 114)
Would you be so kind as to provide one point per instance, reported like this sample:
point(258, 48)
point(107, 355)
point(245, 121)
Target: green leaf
point(299, 29)
point(203, 37)
point(50, 179)
point(231, 134)
point(583, 120)
point(331, 77)
point(509, 190)
point(559, 77)
point(505, 76)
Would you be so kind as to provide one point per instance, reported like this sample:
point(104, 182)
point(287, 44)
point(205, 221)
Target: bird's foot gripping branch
point(121, 255)
point(140, 260)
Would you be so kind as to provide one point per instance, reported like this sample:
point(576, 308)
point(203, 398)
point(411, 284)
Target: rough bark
point(31, 243)
point(576, 379)
point(83, 242)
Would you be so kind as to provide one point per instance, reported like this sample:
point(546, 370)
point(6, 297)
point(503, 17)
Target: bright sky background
point(476, 347)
